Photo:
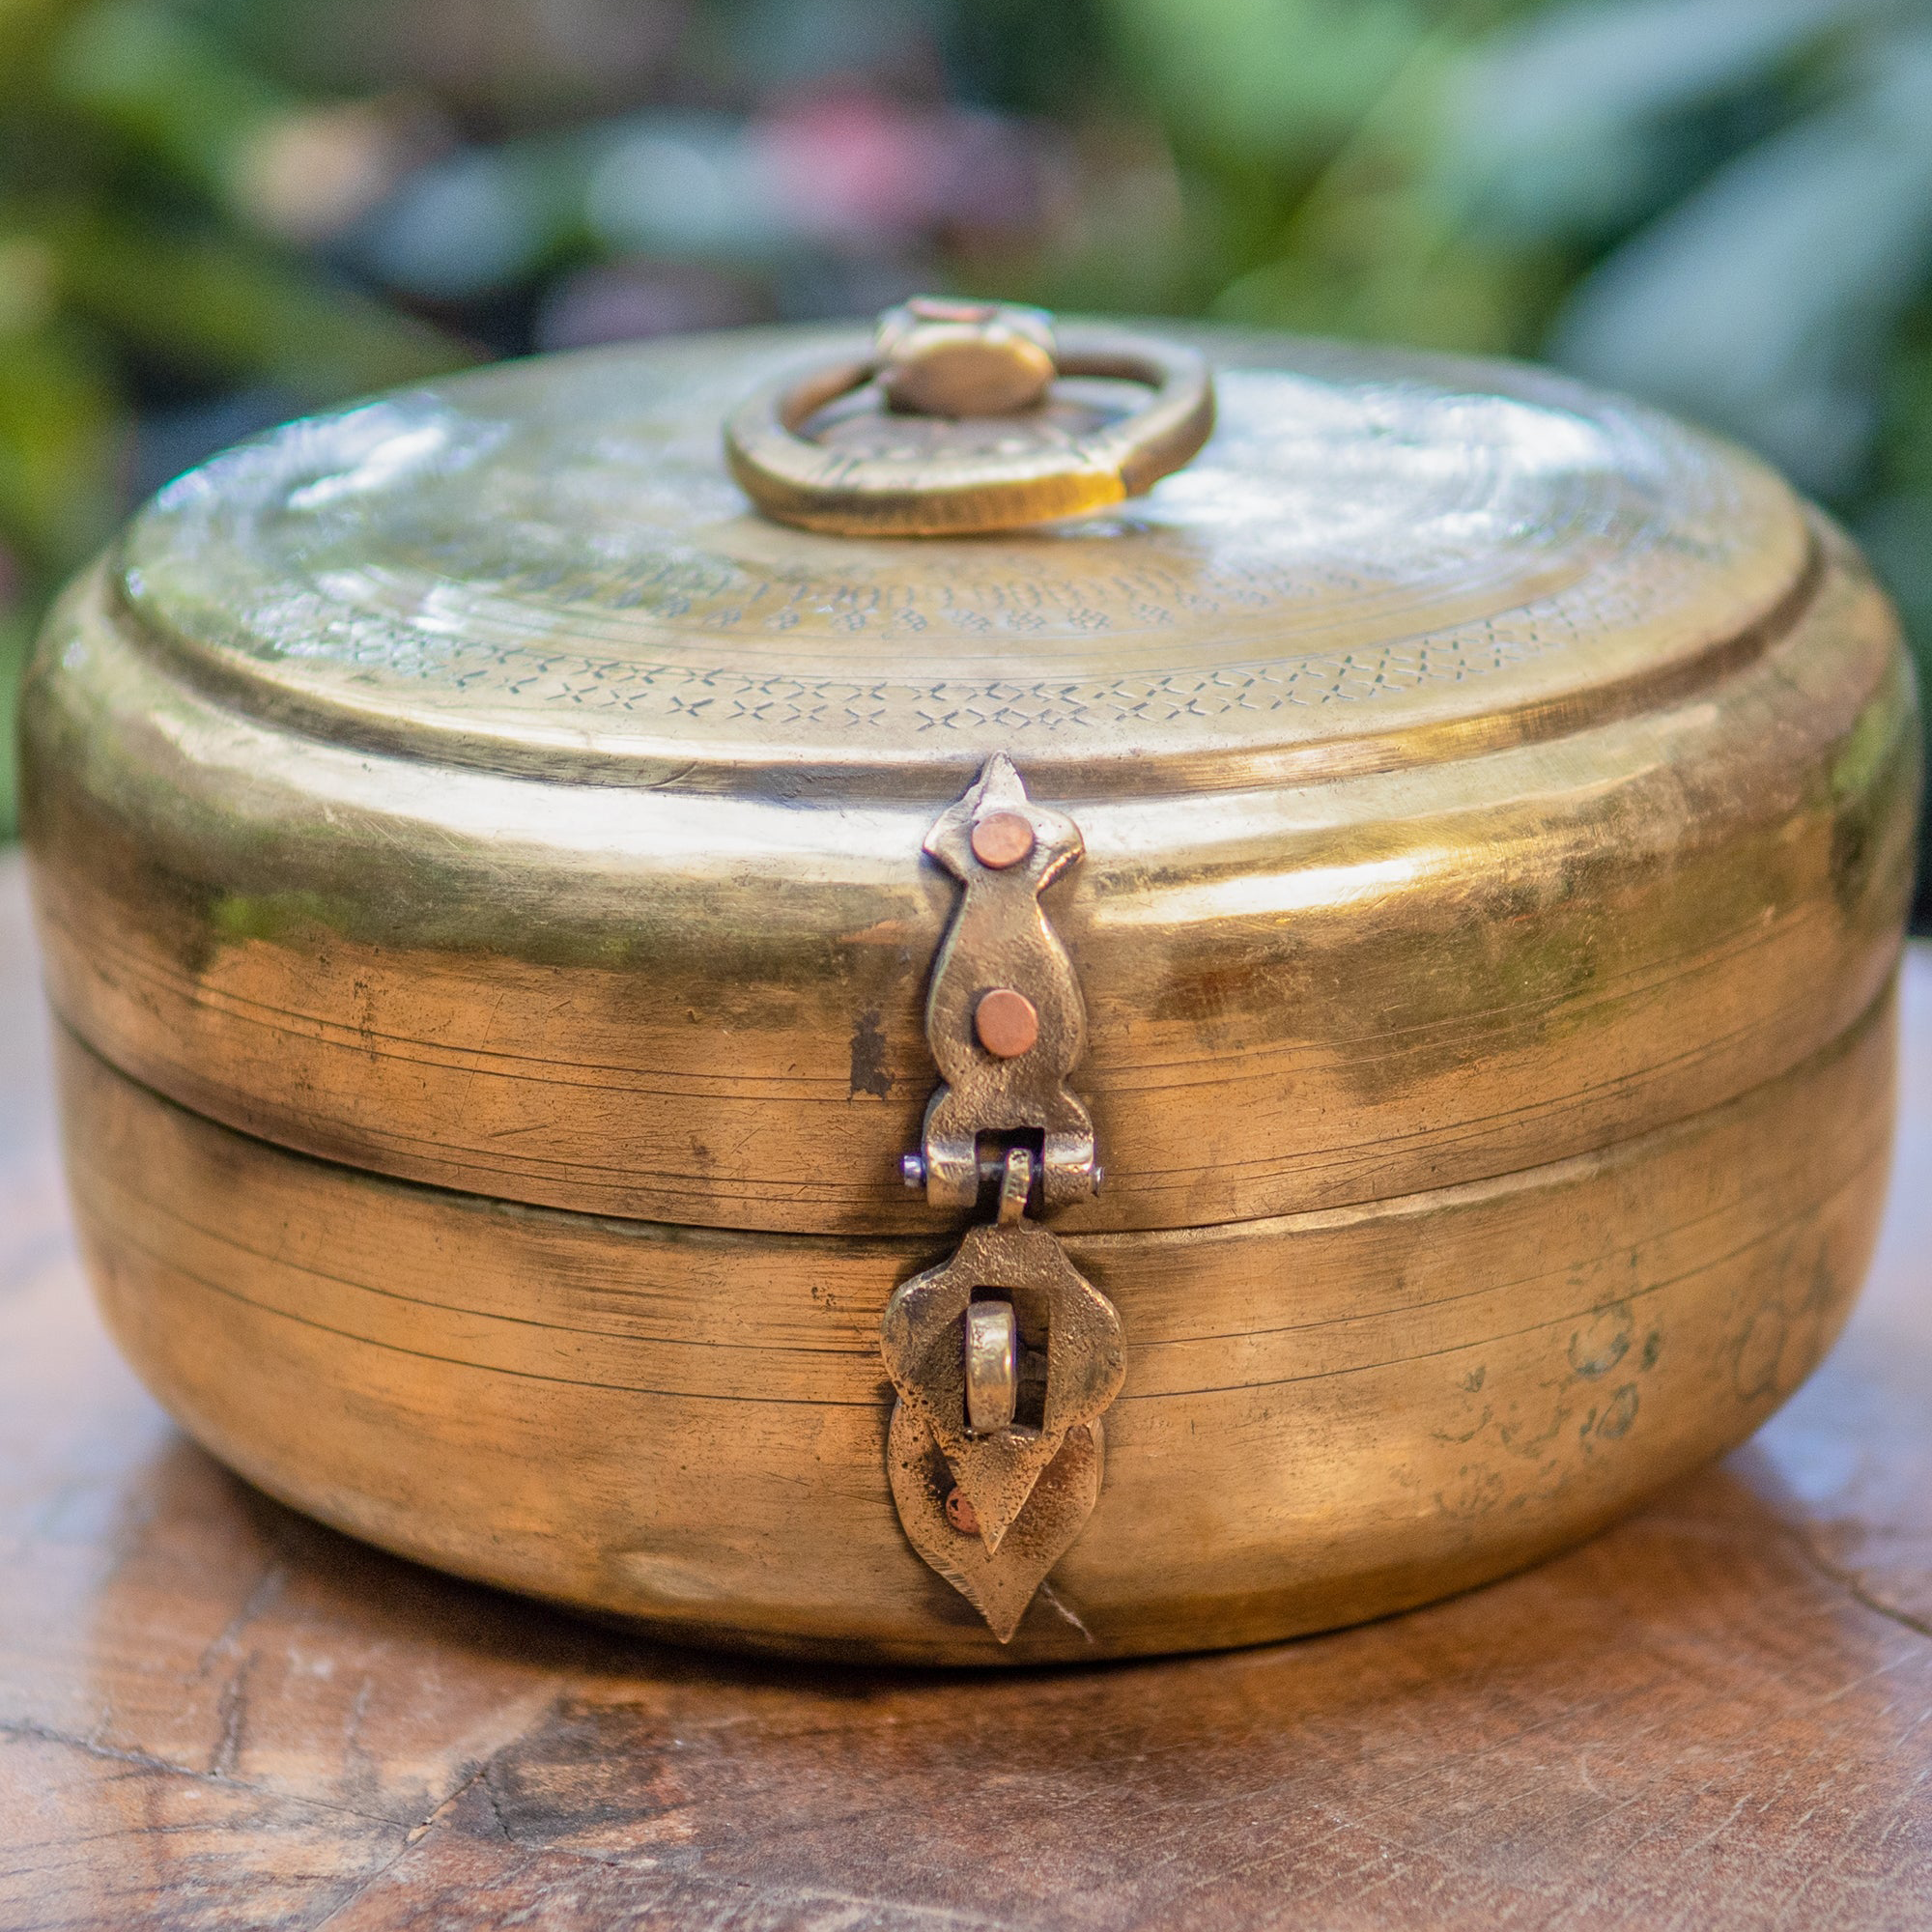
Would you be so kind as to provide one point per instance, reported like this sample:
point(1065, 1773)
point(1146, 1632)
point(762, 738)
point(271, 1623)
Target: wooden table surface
point(215, 1714)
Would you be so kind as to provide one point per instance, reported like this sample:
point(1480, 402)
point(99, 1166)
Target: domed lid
point(473, 786)
point(548, 565)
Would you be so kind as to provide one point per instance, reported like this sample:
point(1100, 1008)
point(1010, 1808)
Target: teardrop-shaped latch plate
point(1063, 1320)
point(999, 1584)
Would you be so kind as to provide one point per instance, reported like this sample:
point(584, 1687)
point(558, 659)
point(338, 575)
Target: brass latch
point(1005, 1357)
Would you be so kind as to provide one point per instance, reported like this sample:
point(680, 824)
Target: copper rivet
point(961, 1514)
point(1002, 838)
point(1006, 1023)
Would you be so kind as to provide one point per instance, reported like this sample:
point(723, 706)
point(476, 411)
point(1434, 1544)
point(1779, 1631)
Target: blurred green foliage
point(131, 267)
point(212, 211)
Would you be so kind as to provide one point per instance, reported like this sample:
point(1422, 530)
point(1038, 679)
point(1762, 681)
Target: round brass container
point(480, 866)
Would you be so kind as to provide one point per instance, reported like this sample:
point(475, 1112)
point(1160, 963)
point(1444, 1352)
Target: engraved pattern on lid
point(549, 560)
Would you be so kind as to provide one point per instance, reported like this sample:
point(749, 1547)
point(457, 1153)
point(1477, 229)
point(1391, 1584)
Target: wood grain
point(214, 1713)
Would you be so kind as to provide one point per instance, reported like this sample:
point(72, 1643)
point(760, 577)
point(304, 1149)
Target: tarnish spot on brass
point(1615, 1421)
point(276, 917)
point(1754, 1371)
point(868, 1057)
point(1602, 1343)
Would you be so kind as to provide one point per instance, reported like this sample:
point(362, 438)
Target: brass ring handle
point(938, 359)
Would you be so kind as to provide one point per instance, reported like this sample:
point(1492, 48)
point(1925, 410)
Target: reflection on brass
point(1017, 462)
point(1327, 1418)
point(954, 358)
point(1001, 938)
point(1015, 1186)
point(1496, 810)
point(992, 1368)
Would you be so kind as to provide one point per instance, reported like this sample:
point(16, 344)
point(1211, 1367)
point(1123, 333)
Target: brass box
point(482, 866)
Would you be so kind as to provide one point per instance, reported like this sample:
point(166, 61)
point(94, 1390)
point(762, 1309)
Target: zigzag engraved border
point(781, 701)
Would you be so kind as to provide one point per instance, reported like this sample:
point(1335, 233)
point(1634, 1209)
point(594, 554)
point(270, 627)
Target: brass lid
point(546, 566)
point(1473, 770)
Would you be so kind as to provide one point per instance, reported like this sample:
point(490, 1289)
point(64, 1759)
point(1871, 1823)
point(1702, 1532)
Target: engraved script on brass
point(1005, 1357)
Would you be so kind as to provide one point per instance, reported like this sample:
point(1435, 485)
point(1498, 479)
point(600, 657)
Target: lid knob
point(955, 425)
point(954, 358)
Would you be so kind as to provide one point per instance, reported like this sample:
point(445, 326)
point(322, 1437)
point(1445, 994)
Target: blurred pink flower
point(852, 166)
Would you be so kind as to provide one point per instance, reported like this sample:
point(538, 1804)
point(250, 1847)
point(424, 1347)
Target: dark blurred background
point(216, 214)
